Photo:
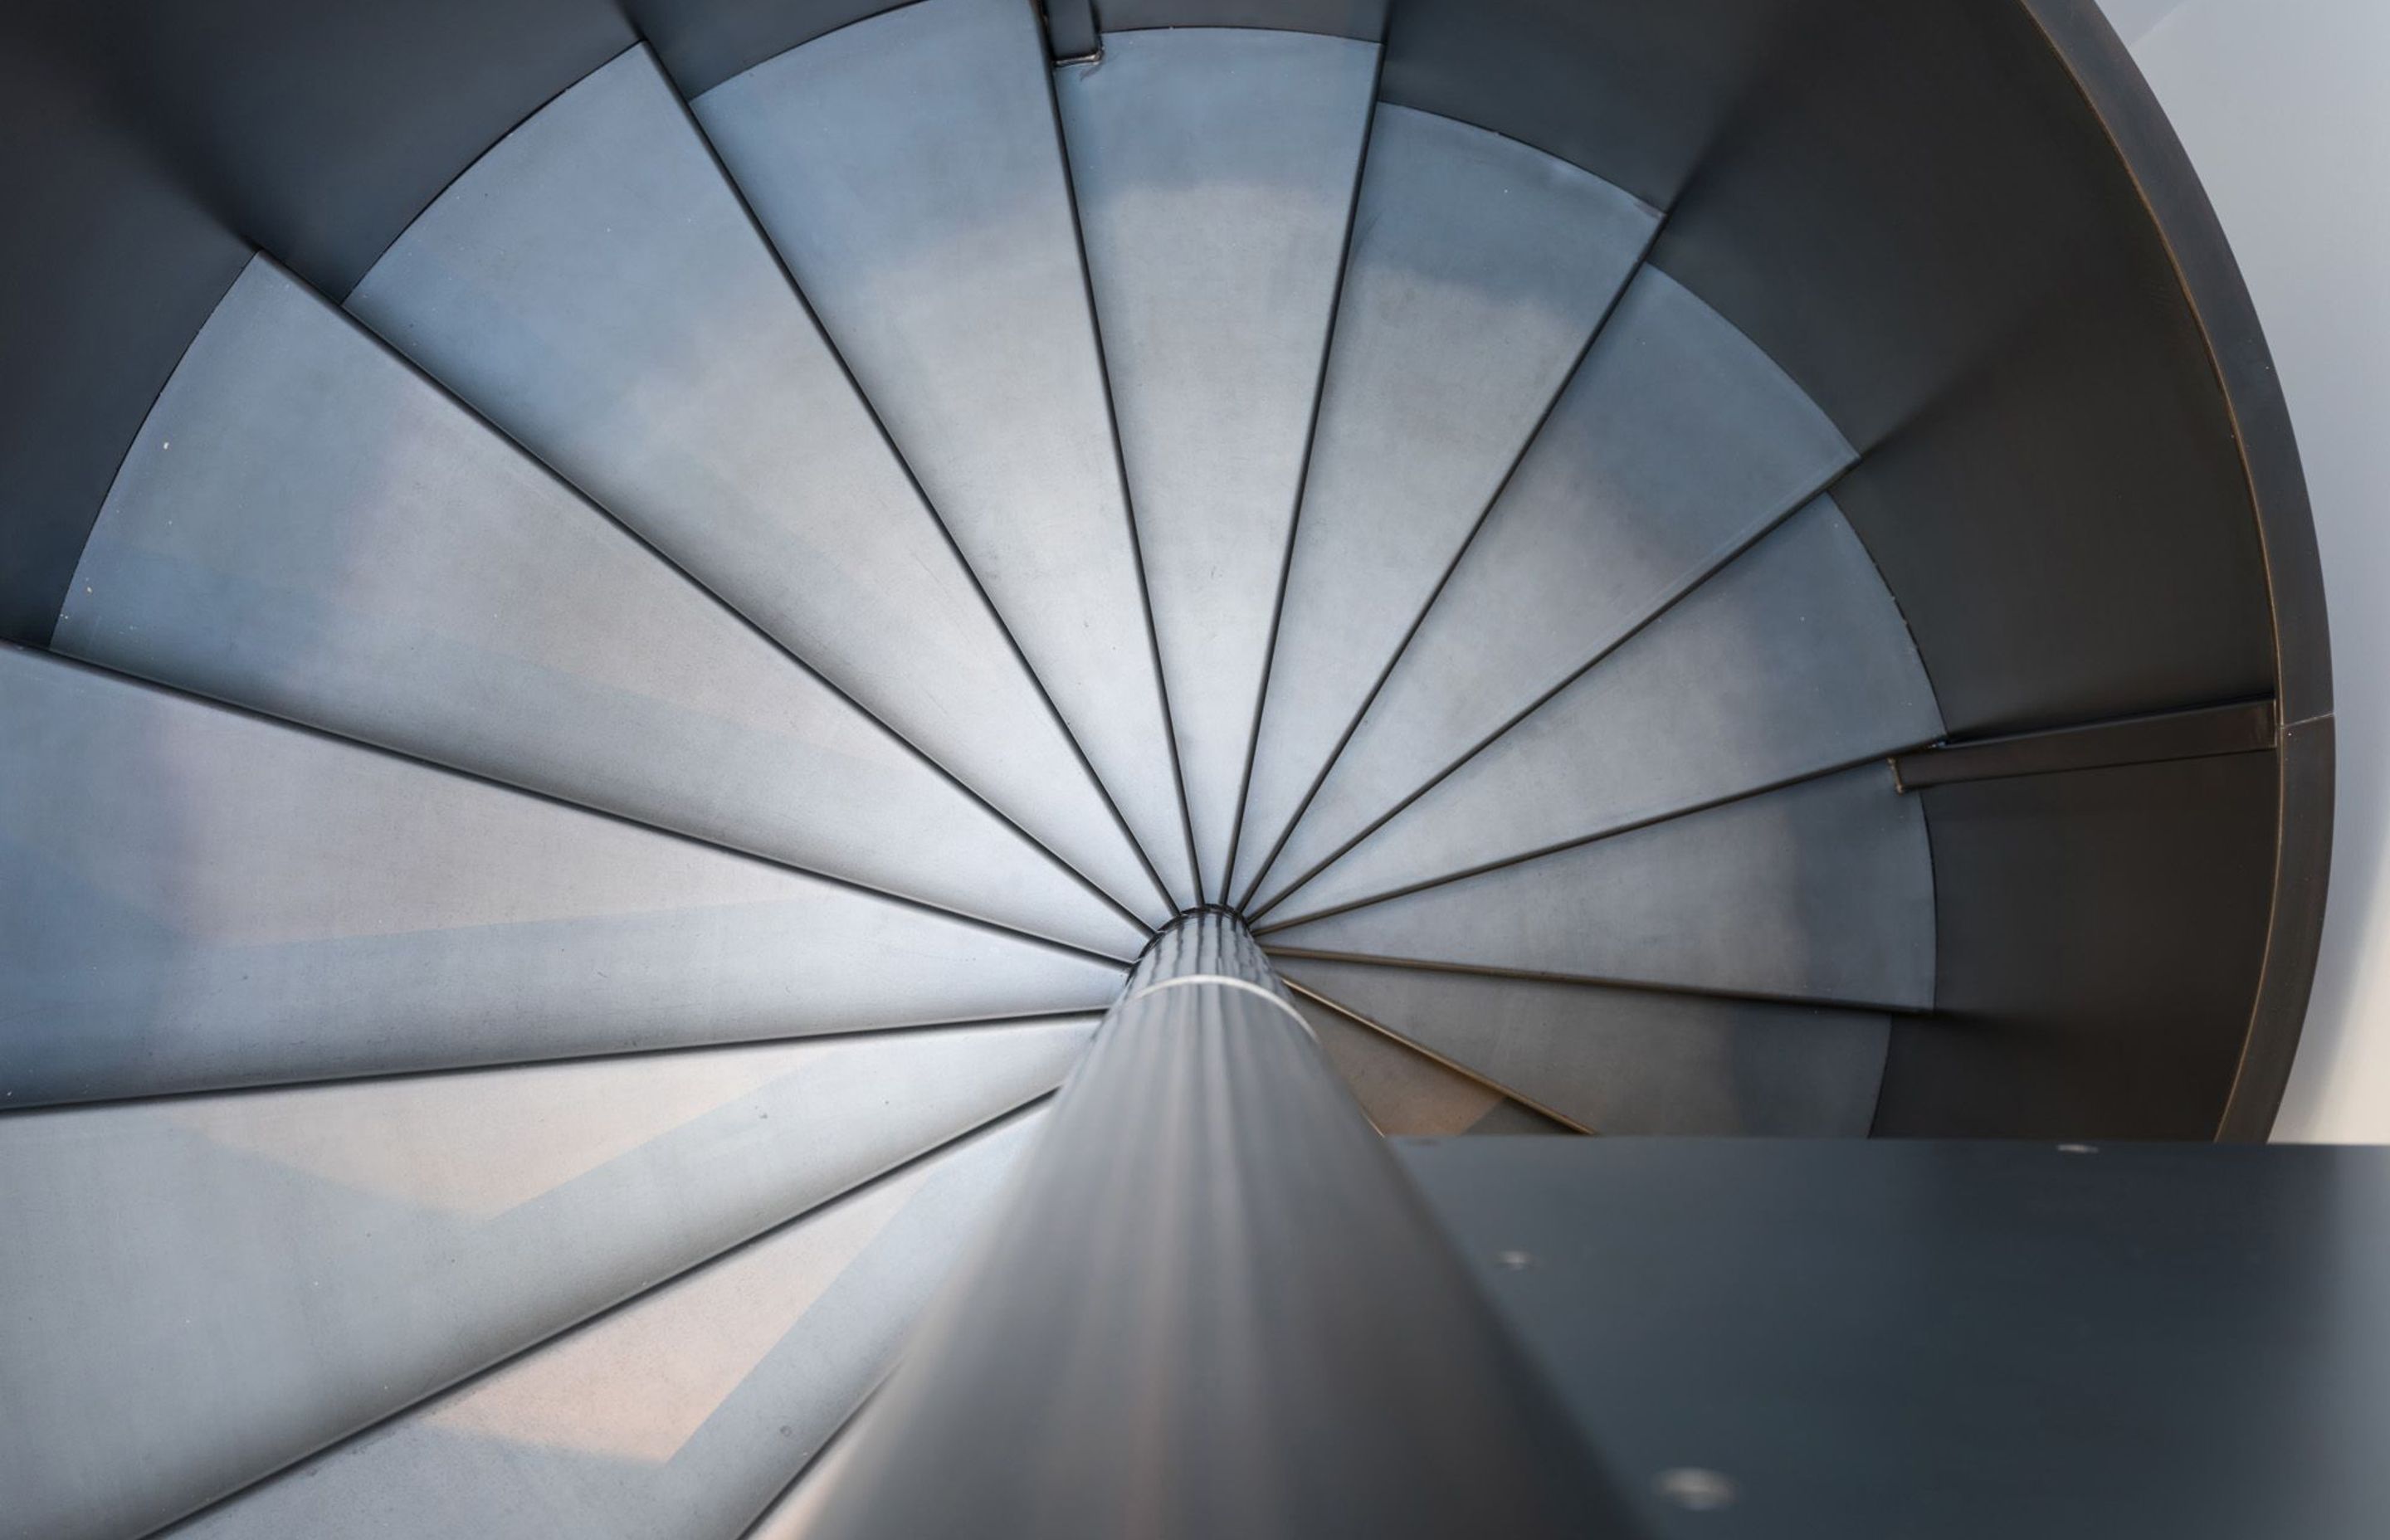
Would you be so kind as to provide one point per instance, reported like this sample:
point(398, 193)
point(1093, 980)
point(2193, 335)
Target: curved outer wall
point(2077, 473)
point(2280, 105)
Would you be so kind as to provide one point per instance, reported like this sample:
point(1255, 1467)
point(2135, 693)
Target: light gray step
point(1628, 1061)
point(1676, 443)
point(1821, 891)
point(204, 1289)
point(909, 169)
point(1479, 268)
point(595, 288)
point(203, 898)
point(1215, 167)
point(308, 528)
point(1792, 660)
point(1406, 1092)
point(682, 1413)
point(793, 1515)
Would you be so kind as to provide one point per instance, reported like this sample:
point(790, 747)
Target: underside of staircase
point(661, 626)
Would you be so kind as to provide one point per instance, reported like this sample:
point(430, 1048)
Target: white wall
point(2284, 106)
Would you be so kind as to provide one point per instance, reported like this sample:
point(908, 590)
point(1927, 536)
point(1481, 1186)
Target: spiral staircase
point(587, 788)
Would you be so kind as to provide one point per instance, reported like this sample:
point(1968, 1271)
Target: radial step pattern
point(909, 170)
point(1215, 169)
point(227, 1284)
point(222, 901)
point(1821, 890)
point(596, 288)
point(1675, 446)
point(680, 1413)
point(310, 527)
point(1479, 271)
point(589, 790)
point(1792, 660)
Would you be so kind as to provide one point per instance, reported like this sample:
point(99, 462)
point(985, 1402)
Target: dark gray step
point(1822, 891)
point(1676, 443)
point(1407, 1093)
point(1791, 660)
point(1628, 1061)
point(1479, 268)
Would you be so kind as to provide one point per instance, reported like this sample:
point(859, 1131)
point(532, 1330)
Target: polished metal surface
point(1675, 444)
point(1404, 1092)
point(1479, 268)
point(211, 899)
point(682, 1413)
point(1210, 1308)
point(309, 528)
point(1821, 891)
point(1625, 1061)
point(1209, 944)
point(595, 288)
point(1791, 660)
point(203, 1289)
point(909, 170)
point(547, 913)
point(1963, 1340)
point(1215, 169)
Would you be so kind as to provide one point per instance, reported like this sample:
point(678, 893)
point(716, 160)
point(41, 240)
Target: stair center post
point(1213, 1306)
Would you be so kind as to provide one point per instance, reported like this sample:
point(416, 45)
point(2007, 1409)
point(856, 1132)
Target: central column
point(1212, 1307)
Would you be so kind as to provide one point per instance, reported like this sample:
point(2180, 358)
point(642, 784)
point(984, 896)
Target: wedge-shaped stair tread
point(1215, 169)
point(1676, 443)
point(681, 1413)
point(1821, 891)
point(594, 286)
point(207, 1288)
point(1793, 660)
point(1479, 268)
point(208, 899)
point(909, 169)
point(308, 528)
point(1628, 1061)
point(1407, 1094)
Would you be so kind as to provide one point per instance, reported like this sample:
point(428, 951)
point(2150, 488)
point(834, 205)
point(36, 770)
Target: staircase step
point(308, 528)
point(680, 1413)
point(909, 170)
point(1622, 1060)
point(207, 899)
point(595, 288)
point(1407, 1094)
point(1511, 1119)
point(1215, 169)
point(1677, 444)
point(1479, 268)
point(1822, 891)
point(207, 1288)
point(1792, 660)
point(795, 1512)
